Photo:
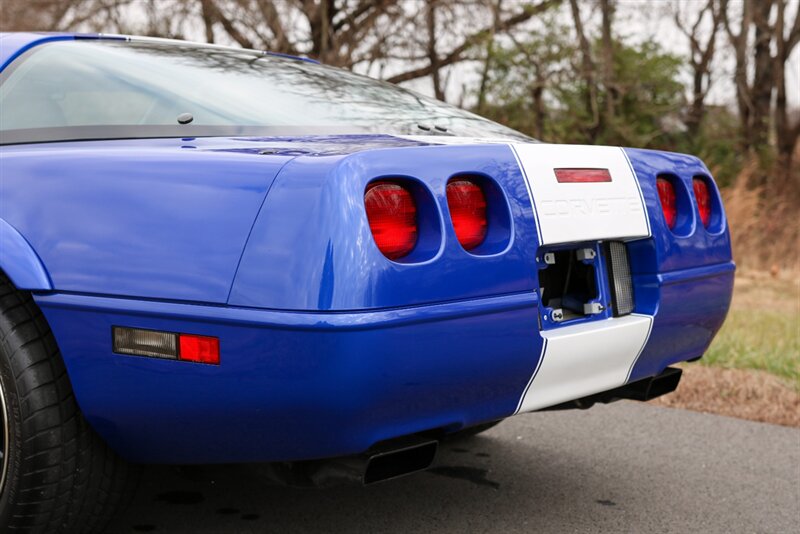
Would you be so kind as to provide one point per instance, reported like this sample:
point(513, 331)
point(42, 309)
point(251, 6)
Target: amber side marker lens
point(168, 345)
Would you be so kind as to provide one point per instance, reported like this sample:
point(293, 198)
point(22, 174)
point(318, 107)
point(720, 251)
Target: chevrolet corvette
point(216, 255)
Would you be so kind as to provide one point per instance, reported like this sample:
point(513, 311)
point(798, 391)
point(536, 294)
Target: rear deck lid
point(598, 198)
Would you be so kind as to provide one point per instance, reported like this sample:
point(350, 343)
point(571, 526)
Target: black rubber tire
point(60, 476)
point(472, 431)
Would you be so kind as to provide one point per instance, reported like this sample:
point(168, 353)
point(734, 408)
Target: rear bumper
point(688, 308)
point(294, 386)
point(298, 386)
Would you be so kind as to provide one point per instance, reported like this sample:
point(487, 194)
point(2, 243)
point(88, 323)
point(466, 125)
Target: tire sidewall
point(10, 489)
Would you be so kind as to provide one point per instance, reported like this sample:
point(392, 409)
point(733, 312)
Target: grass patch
point(758, 339)
point(762, 330)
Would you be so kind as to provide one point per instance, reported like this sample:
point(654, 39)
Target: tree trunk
point(433, 57)
point(612, 94)
point(320, 18)
point(697, 108)
point(538, 109)
point(487, 63)
point(587, 72)
point(763, 79)
point(740, 41)
point(785, 135)
point(701, 56)
point(207, 13)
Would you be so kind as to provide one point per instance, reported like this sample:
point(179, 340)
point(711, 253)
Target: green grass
point(759, 339)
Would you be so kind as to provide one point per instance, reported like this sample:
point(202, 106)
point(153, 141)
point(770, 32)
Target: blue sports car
point(217, 255)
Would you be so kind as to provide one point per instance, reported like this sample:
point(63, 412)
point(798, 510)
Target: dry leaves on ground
point(747, 394)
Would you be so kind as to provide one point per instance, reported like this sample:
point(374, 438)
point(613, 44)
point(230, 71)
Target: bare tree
point(487, 60)
point(433, 56)
point(753, 97)
point(763, 77)
point(740, 40)
point(766, 21)
point(786, 134)
point(458, 52)
point(607, 8)
point(49, 15)
point(701, 56)
point(588, 71)
point(332, 31)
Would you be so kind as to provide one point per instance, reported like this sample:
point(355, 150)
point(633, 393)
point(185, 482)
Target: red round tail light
point(392, 216)
point(669, 204)
point(467, 204)
point(703, 198)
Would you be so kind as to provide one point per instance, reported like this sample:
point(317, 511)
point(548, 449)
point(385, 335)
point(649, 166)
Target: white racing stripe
point(585, 359)
point(575, 212)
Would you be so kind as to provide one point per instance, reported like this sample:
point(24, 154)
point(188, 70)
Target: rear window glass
point(113, 89)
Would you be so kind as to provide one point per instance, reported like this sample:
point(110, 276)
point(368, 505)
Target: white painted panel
point(585, 359)
point(571, 212)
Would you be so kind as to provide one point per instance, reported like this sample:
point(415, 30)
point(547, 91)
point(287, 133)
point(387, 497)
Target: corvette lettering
point(593, 206)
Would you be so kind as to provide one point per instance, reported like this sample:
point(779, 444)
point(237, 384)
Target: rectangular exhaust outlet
point(399, 462)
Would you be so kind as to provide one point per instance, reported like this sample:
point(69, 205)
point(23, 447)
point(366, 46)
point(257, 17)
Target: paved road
point(625, 467)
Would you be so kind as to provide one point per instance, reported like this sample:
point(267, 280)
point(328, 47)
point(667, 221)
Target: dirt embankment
point(743, 393)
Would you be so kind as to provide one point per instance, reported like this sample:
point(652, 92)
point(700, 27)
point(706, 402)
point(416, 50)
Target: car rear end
point(411, 292)
point(278, 268)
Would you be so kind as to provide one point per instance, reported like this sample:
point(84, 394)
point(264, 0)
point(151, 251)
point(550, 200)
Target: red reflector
point(392, 216)
point(201, 349)
point(467, 205)
point(703, 198)
point(666, 193)
point(582, 176)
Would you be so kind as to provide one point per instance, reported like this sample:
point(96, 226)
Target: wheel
point(466, 433)
point(56, 474)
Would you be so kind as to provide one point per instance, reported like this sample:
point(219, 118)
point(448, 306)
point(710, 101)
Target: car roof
point(13, 44)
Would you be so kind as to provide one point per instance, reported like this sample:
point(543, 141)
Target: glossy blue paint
point(327, 346)
point(364, 349)
point(691, 306)
point(148, 219)
point(290, 385)
point(19, 261)
point(684, 280)
point(667, 251)
point(327, 259)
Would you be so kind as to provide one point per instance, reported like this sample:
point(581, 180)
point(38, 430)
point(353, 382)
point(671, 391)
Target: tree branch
point(457, 54)
point(217, 15)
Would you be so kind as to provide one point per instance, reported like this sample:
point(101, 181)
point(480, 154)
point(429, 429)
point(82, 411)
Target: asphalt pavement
point(625, 467)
